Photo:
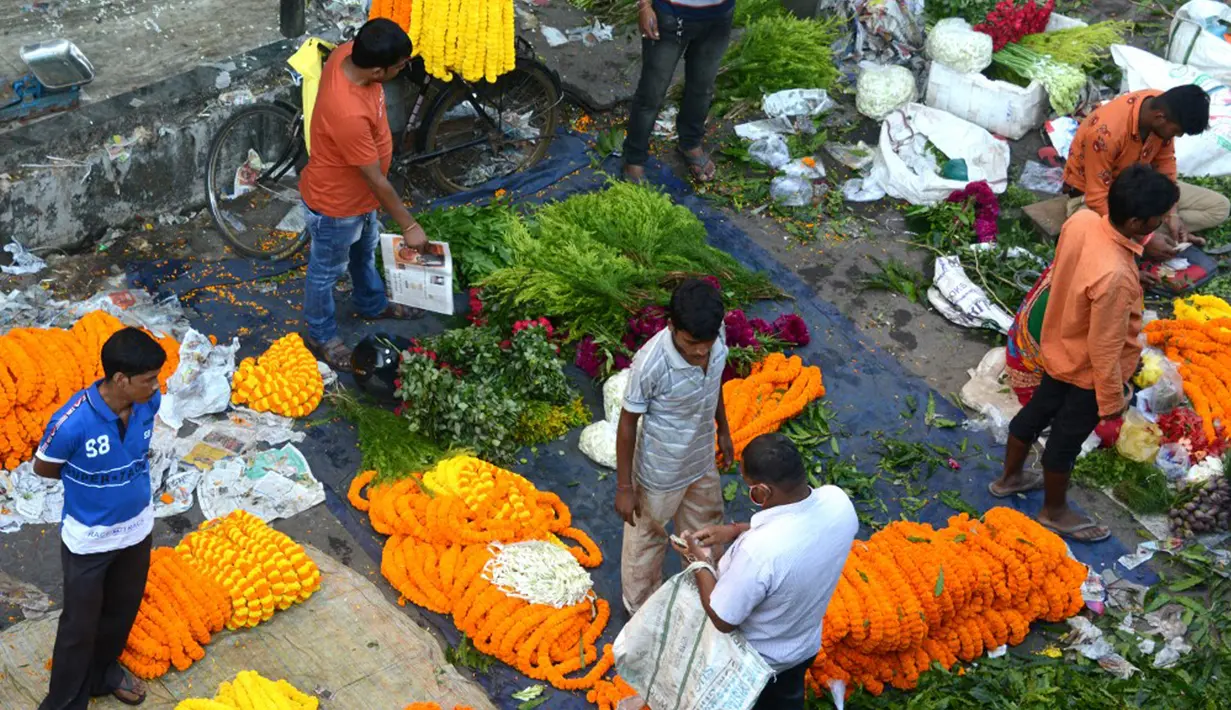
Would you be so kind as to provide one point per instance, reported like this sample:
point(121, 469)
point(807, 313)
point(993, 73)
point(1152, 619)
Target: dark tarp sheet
point(867, 387)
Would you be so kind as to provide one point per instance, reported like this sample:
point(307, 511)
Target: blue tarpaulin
point(867, 388)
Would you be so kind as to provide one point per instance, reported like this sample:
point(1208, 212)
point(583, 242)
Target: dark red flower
point(792, 329)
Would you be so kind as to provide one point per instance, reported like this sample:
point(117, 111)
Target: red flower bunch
point(1183, 426)
point(542, 321)
point(987, 208)
point(476, 308)
point(646, 325)
point(1009, 22)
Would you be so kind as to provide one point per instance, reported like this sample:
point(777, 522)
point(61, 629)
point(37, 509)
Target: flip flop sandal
point(701, 166)
point(1071, 533)
point(396, 311)
point(333, 353)
point(633, 179)
point(128, 685)
point(1031, 484)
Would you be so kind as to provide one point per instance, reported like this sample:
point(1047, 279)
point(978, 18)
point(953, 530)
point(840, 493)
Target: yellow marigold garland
point(283, 380)
point(1202, 349)
point(261, 568)
point(912, 595)
point(41, 368)
point(1201, 308)
point(250, 691)
point(473, 38)
point(179, 613)
point(777, 388)
point(439, 530)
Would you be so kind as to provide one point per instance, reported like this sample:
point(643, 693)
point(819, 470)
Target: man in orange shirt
point(1089, 342)
point(344, 183)
point(1141, 127)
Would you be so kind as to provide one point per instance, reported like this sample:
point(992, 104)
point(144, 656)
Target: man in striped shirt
point(98, 444)
point(666, 471)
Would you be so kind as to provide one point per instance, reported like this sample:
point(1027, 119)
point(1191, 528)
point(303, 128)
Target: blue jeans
point(338, 243)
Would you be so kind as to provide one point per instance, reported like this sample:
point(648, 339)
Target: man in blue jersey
point(698, 31)
point(98, 444)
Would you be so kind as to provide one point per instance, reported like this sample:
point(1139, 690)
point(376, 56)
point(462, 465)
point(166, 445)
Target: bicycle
point(464, 134)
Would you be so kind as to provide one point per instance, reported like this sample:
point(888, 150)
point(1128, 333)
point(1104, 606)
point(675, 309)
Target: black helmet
point(375, 361)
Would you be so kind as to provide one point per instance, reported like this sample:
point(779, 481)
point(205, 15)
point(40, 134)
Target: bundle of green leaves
point(473, 387)
point(478, 237)
point(778, 51)
point(593, 261)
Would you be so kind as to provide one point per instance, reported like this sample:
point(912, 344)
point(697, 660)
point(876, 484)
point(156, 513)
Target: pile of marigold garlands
point(777, 389)
point(283, 380)
point(446, 527)
point(912, 595)
point(40, 368)
point(250, 691)
point(232, 572)
point(473, 38)
point(1199, 342)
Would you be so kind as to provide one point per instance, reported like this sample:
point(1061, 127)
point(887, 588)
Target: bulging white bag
point(1208, 153)
point(986, 157)
point(672, 655)
point(1190, 43)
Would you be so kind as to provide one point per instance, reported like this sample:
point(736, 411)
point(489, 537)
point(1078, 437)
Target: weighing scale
point(58, 70)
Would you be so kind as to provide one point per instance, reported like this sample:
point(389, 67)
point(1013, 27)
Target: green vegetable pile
point(1140, 486)
point(777, 52)
point(973, 11)
point(386, 442)
point(478, 237)
point(593, 261)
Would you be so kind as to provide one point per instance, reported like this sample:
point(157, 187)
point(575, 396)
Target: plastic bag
point(796, 102)
point(954, 43)
point(722, 673)
point(855, 156)
point(202, 382)
point(1173, 461)
point(1168, 389)
point(791, 191)
point(771, 150)
point(1139, 438)
point(1191, 43)
point(1040, 178)
point(862, 190)
point(801, 169)
point(881, 90)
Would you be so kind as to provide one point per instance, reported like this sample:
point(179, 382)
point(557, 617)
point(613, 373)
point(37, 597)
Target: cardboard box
point(417, 280)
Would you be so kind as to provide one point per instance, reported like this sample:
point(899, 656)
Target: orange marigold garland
point(41, 368)
point(777, 388)
point(283, 380)
point(912, 595)
point(440, 528)
point(1202, 349)
point(180, 611)
point(262, 569)
point(434, 706)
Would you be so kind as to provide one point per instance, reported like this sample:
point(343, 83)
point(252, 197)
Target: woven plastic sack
point(675, 659)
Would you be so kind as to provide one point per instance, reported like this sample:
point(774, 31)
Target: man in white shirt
point(776, 579)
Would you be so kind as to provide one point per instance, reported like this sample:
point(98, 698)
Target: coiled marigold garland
point(440, 528)
point(777, 389)
point(473, 38)
point(1202, 349)
point(250, 691)
point(283, 380)
point(41, 368)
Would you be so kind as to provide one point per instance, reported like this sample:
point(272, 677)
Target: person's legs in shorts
point(1070, 428)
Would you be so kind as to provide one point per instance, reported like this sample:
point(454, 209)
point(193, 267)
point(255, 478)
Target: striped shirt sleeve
point(60, 441)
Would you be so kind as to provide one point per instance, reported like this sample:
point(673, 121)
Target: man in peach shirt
point(1089, 342)
point(1141, 127)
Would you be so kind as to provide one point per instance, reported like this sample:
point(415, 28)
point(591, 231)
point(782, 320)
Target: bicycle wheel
point(252, 181)
point(521, 110)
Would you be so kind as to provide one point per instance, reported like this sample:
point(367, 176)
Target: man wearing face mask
point(666, 470)
point(1089, 343)
point(776, 580)
point(1141, 127)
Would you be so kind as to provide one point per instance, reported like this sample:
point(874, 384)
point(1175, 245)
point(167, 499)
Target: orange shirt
point(349, 129)
point(1093, 314)
point(1109, 141)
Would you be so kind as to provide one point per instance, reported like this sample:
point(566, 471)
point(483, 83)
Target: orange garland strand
point(1203, 352)
point(777, 389)
point(41, 368)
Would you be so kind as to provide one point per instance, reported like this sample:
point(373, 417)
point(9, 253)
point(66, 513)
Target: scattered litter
point(202, 383)
point(108, 240)
point(238, 97)
point(1087, 639)
point(590, 35)
point(1040, 178)
point(272, 484)
point(988, 394)
point(119, 148)
point(771, 151)
point(24, 261)
point(806, 168)
point(1061, 131)
point(34, 603)
point(855, 156)
point(764, 128)
point(791, 191)
point(862, 190)
point(998, 651)
point(791, 103)
point(664, 125)
point(554, 37)
point(1094, 592)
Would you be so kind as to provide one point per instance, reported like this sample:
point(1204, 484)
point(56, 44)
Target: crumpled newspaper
point(24, 261)
point(271, 484)
point(1087, 639)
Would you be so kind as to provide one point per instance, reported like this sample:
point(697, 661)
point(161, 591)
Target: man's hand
point(1148, 280)
point(694, 551)
point(713, 535)
point(726, 449)
point(628, 505)
point(1183, 235)
point(647, 20)
point(414, 237)
point(1160, 248)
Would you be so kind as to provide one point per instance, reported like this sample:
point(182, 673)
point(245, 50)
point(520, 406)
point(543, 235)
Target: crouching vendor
point(1141, 127)
point(781, 568)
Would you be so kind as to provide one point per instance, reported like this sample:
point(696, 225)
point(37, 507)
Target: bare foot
point(634, 173)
